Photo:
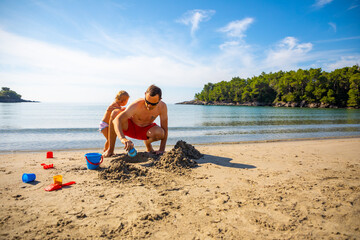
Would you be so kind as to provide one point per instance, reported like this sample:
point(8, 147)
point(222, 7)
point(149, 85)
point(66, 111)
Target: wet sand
point(278, 190)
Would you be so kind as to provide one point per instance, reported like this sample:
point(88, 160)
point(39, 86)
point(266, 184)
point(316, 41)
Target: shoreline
point(168, 146)
point(271, 190)
point(302, 104)
point(18, 101)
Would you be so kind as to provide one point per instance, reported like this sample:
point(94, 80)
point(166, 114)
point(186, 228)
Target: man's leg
point(112, 133)
point(155, 133)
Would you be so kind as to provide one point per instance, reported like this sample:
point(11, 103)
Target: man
point(137, 121)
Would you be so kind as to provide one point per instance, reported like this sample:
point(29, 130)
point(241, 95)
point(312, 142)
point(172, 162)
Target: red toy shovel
point(47, 166)
point(55, 186)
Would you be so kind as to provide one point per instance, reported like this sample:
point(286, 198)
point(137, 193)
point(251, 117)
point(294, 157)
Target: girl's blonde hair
point(121, 95)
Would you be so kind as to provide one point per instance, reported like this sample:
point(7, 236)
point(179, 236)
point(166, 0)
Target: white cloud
point(229, 44)
point(237, 28)
point(337, 39)
point(321, 3)
point(236, 58)
point(241, 59)
point(333, 26)
point(49, 72)
point(35, 64)
point(194, 17)
point(287, 54)
point(344, 61)
point(353, 6)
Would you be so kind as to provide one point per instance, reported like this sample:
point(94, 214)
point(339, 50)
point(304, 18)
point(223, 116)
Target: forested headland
point(301, 88)
point(10, 96)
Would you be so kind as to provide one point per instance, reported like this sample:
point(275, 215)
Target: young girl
point(112, 111)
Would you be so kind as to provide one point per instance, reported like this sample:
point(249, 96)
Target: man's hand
point(128, 144)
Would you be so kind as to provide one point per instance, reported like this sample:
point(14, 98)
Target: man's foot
point(149, 148)
point(107, 154)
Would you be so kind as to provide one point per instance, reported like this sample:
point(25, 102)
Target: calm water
point(49, 126)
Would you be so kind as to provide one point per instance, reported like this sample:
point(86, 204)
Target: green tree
point(237, 87)
point(246, 96)
point(339, 87)
point(354, 92)
point(329, 98)
point(338, 81)
point(7, 94)
point(320, 88)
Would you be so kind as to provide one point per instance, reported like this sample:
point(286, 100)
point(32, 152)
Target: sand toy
point(55, 186)
point(58, 179)
point(132, 152)
point(93, 160)
point(49, 155)
point(28, 177)
point(47, 166)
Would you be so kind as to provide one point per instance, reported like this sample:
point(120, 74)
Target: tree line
point(340, 88)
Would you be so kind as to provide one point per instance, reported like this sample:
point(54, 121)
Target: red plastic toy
point(55, 186)
point(47, 166)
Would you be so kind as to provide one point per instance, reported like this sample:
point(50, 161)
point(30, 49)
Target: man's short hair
point(154, 90)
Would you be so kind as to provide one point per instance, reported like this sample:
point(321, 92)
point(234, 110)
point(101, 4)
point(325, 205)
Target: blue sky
point(86, 51)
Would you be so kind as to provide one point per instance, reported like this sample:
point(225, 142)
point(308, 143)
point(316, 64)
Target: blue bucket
point(28, 177)
point(93, 160)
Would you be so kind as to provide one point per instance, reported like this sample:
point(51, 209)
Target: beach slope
point(277, 190)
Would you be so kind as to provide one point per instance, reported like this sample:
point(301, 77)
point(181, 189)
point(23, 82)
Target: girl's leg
point(111, 135)
point(105, 132)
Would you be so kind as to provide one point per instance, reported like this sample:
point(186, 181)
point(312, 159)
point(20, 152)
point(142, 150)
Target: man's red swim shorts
point(134, 131)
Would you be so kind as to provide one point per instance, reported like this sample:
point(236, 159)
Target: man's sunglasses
point(150, 103)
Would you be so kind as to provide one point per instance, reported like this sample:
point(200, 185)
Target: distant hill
point(10, 96)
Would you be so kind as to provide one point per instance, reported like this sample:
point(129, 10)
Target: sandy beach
point(277, 190)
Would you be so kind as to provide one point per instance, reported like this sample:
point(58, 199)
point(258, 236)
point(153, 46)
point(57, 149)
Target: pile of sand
point(140, 157)
point(189, 150)
point(120, 170)
point(176, 160)
point(179, 158)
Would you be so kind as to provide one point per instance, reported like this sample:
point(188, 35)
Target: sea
point(65, 126)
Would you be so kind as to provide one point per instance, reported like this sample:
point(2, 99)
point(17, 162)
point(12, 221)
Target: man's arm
point(164, 125)
point(122, 121)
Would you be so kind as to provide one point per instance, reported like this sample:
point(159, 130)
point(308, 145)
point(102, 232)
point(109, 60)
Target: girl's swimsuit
point(103, 125)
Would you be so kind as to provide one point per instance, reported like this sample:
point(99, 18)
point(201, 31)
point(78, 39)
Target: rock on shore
point(223, 103)
point(16, 101)
point(277, 104)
